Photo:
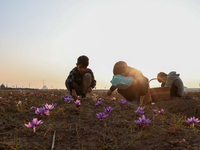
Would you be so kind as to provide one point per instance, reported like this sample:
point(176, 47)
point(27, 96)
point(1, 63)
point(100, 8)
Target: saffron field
point(50, 119)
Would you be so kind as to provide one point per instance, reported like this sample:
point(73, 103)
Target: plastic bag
point(121, 82)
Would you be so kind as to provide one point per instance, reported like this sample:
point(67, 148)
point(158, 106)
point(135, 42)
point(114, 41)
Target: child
point(138, 87)
point(174, 81)
point(81, 79)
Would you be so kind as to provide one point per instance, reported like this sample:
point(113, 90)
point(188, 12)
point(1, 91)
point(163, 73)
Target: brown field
point(78, 127)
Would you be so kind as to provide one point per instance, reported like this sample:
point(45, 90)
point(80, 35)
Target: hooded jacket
point(173, 78)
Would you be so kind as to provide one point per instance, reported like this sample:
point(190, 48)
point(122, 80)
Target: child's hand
point(109, 92)
point(74, 95)
point(89, 89)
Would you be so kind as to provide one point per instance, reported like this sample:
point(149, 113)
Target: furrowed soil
point(78, 127)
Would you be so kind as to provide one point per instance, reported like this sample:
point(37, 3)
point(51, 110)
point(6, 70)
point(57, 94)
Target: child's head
point(82, 63)
point(120, 68)
point(161, 77)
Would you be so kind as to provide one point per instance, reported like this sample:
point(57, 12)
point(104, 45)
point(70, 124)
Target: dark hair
point(120, 67)
point(84, 60)
point(162, 75)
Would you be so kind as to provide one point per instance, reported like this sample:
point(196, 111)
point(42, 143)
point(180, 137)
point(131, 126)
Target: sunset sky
point(40, 40)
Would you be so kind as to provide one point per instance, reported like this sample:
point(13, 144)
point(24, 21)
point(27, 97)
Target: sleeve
point(162, 84)
point(93, 84)
point(112, 88)
point(70, 79)
point(168, 82)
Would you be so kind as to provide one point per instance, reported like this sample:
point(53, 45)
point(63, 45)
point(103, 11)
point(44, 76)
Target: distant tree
point(2, 86)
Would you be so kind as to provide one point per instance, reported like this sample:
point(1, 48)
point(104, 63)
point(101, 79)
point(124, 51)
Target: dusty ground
point(78, 128)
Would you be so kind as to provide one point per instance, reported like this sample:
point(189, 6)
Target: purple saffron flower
point(101, 115)
point(77, 102)
point(101, 99)
point(68, 98)
point(195, 120)
point(155, 111)
point(33, 107)
point(55, 104)
point(192, 121)
point(49, 107)
point(98, 103)
point(152, 103)
point(140, 110)
point(0, 97)
point(0, 123)
point(161, 111)
point(138, 122)
point(189, 120)
point(124, 101)
point(143, 120)
point(108, 110)
point(34, 123)
point(42, 111)
point(46, 112)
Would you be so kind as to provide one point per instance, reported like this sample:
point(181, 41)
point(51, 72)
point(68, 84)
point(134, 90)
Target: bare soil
point(79, 128)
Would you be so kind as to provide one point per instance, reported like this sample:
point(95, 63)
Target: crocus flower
point(98, 103)
point(55, 104)
point(49, 107)
point(143, 120)
point(0, 123)
point(189, 120)
point(0, 97)
point(195, 120)
point(33, 107)
point(42, 111)
point(77, 102)
point(34, 123)
point(101, 99)
point(101, 115)
point(155, 111)
point(192, 121)
point(124, 101)
point(161, 111)
point(68, 98)
point(152, 103)
point(140, 110)
point(108, 110)
point(138, 122)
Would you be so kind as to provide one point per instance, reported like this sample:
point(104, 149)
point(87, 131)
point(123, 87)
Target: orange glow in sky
point(41, 40)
